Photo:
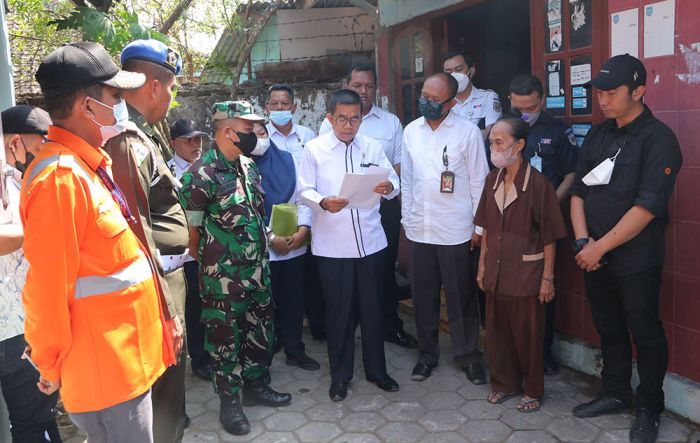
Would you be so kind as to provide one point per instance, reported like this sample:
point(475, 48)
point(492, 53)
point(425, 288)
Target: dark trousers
point(390, 211)
point(314, 303)
point(353, 287)
point(287, 285)
point(514, 327)
point(480, 295)
point(549, 310)
point(436, 267)
point(31, 412)
point(621, 304)
point(193, 316)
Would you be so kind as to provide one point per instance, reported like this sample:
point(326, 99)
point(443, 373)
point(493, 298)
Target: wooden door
point(569, 41)
point(412, 50)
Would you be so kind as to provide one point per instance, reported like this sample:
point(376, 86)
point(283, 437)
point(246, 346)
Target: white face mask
point(462, 81)
point(121, 115)
point(601, 174)
point(261, 147)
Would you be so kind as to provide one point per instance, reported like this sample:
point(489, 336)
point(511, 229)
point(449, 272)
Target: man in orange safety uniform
point(94, 318)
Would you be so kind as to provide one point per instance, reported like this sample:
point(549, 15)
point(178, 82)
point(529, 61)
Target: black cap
point(185, 128)
point(24, 119)
point(620, 70)
point(78, 65)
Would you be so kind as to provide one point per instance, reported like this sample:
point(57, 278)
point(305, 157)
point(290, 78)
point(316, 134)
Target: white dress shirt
point(428, 215)
point(294, 142)
point(13, 266)
point(349, 233)
point(178, 166)
point(382, 126)
point(481, 103)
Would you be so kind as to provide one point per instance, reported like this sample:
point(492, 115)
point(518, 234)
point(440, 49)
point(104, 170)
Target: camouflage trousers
point(239, 337)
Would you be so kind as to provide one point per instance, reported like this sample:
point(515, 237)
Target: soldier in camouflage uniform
point(223, 198)
point(147, 183)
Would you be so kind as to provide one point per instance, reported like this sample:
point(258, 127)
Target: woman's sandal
point(528, 405)
point(496, 398)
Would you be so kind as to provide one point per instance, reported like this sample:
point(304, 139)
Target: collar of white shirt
point(275, 130)
point(448, 122)
point(475, 95)
point(181, 162)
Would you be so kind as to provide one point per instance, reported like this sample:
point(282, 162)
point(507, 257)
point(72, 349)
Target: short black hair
point(452, 84)
point(518, 127)
point(281, 87)
point(344, 97)
point(60, 107)
point(526, 85)
point(362, 67)
point(152, 71)
point(468, 59)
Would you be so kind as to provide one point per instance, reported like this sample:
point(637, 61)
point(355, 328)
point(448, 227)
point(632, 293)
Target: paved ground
point(444, 408)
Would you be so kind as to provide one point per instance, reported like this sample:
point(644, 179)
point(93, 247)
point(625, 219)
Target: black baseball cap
point(78, 65)
point(24, 119)
point(185, 128)
point(620, 70)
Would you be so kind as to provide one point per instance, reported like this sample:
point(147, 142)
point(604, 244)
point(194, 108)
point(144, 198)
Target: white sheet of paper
point(554, 84)
point(659, 28)
point(625, 32)
point(580, 74)
point(358, 188)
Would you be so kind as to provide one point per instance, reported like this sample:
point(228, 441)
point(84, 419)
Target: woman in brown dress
point(520, 214)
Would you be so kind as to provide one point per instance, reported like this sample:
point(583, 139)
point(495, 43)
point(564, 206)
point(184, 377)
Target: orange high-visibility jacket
point(93, 315)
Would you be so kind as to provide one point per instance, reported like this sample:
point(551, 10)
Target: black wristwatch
point(579, 243)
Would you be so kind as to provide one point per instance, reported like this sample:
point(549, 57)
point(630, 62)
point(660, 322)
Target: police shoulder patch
point(570, 135)
point(497, 105)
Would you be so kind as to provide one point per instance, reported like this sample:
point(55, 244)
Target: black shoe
point(304, 362)
point(601, 405)
point(476, 374)
point(338, 391)
point(232, 417)
point(204, 372)
point(259, 394)
point(401, 338)
point(421, 371)
point(385, 383)
point(645, 427)
point(551, 366)
point(186, 422)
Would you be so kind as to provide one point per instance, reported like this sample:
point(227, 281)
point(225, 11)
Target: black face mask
point(246, 142)
point(28, 158)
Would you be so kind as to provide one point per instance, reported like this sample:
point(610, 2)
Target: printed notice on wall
point(580, 74)
point(625, 32)
point(659, 28)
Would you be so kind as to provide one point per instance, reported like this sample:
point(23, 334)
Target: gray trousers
point(128, 422)
point(448, 267)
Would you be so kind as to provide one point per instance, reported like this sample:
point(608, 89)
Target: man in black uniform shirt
point(619, 208)
point(551, 149)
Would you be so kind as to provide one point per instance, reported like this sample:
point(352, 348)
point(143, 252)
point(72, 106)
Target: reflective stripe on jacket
point(94, 319)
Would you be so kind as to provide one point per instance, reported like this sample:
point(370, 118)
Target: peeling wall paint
point(691, 55)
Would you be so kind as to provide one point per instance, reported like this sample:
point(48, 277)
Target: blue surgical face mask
point(429, 109)
point(280, 118)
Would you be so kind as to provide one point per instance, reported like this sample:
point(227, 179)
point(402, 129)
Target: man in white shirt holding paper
point(443, 168)
point(349, 243)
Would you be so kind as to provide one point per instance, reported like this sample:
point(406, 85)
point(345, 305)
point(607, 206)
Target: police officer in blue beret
point(551, 148)
point(139, 152)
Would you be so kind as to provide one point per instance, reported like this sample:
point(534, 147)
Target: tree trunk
point(175, 16)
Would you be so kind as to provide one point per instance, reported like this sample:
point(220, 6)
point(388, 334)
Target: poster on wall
point(659, 28)
point(555, 101)
point(553, 30)
point(580, 74)
point(580, 29)
point(624, 30)
point(580, 130)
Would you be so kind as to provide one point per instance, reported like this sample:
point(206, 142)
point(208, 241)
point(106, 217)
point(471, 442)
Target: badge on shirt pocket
point(447, 182)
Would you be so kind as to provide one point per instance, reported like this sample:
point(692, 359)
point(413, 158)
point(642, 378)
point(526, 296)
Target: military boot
point(255, 392)
point(231, 415)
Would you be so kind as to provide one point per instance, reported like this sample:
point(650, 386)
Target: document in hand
point(358, 188)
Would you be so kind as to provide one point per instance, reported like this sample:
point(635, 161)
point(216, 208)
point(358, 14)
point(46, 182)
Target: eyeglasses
point(354, 121)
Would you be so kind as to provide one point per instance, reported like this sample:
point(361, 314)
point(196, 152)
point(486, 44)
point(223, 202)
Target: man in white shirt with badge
point(349, 243)
point(385, 128)
point(291, 137)
point(443, 169)
point(480, 106)
point(186, 140)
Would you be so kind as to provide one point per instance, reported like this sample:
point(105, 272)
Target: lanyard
point(445, 160)
point(116, 194)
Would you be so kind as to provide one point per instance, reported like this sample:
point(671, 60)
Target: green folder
point(284, 220)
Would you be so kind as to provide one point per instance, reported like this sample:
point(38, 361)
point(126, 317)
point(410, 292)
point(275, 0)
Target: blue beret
point(153, 51)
